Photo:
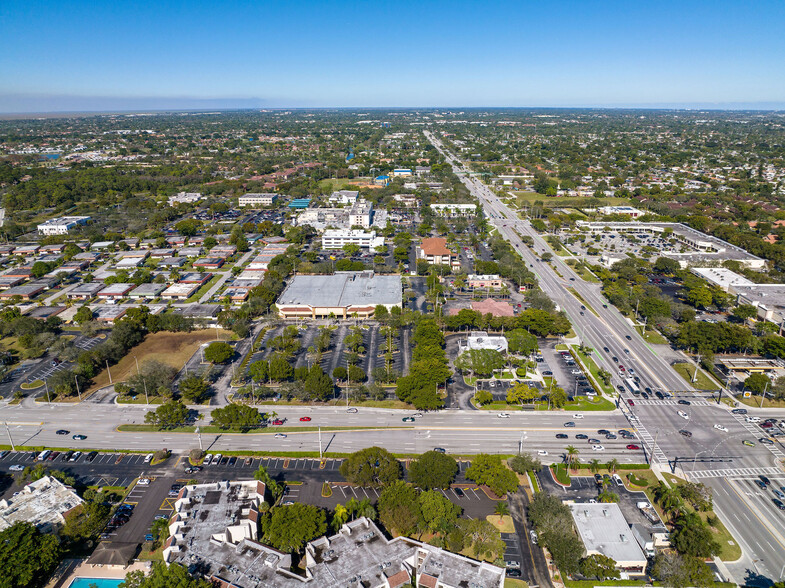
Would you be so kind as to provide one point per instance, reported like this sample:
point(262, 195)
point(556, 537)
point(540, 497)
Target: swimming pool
point(100, 582)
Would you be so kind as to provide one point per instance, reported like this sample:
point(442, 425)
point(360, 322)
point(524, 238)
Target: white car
point(143, 482)
point(753, 419)
point(597, 448)
point(417, 415)
point(280, 436)
point(577, 415)
point(684, 415)
point(721, 428)
point(542, 452)
point(503, 415)
point(148, 458)
point(17, 467)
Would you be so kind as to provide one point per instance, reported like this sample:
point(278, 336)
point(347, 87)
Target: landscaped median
point(256, 431)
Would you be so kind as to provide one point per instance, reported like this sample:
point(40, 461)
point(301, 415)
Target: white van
point(44, 454)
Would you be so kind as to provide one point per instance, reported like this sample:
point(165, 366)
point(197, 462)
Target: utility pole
point(48, 400)
point(199, 435)
point(11, 441)
point(109, 372)
point(697, 363)
point(762, 396)
point(320, 442)
point(76, 381)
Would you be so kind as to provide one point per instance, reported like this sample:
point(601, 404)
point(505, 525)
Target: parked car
point(17, 467)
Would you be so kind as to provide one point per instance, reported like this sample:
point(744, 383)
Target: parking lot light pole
point(48, 400)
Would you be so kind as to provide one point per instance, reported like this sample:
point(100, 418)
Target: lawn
point(704, 382)
point(341, 183)
point(503, 524)
point(653, 337)
point(173, 349)
point(755, 401)
point(561, 474)
point(594, 372)
point(264, 429)
point(204, 289)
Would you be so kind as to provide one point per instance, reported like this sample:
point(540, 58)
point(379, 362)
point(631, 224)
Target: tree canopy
point(433, 470)
point(27, 556)
point(372, 466)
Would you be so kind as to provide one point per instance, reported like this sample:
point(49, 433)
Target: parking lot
point(562, 367)
point(584, 489)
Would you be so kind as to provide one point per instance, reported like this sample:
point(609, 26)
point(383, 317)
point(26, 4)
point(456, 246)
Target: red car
point(630, 402)
point(305, 419)
point(633, 446)
point(277, 422)
point(621, 368)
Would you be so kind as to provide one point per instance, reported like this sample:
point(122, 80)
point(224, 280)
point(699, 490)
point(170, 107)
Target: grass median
point(263, 430)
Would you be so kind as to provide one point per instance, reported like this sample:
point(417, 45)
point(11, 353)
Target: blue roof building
point(381, 180)
point(300, 203)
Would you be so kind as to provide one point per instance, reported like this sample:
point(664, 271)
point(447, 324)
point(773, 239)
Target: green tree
point(745, 311)
point(480, 361)
point(83, 315)
point(163, 576)
point(27, 556)
point(521, 342)
point(237, 416)
point(399, 508)
point(218, 352)
point(271, 485)
point(678, 571)
point(168, 415)
point(259, 370)
point(188, 227)
point(318, 384)
point(280, 369)
point(692, 536)
point(351, 249)
point(289, 528)
point(699, 297)
point(525, 462)
point(521, 393)
point(433, 470)
point(757, 383)
point(438, 512)
point(599, 566)
point(194, 389)
point(372, 466)
point(489, 470)
point(483, 397)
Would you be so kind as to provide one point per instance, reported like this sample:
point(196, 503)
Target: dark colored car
point(684, 402)
point(628, 337)
point(562, 436)
point(439, 450)
point(739, 411)
point(581, 436)
point(645, 396)
point(594, 441)
point(765, 480)
point(569, 424)
point(62, 432)
point(603, 431)
point(659, 395)
point(232, 460)
point(685, 432)
point(79, 437)
point(777, 502)
point(91, 456)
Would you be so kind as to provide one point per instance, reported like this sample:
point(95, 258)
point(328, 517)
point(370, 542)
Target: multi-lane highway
point(713, 452)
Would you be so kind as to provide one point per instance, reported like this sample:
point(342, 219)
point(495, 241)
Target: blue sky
point(106, 55)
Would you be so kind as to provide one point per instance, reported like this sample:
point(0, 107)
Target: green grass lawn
point(594, 370)
point(561, 474)
point(266, 430)
point(653, 337)
point(704, 381)
point(204, 289)
point(585, 404)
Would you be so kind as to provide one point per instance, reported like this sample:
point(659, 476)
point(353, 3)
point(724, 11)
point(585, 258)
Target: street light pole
point(10, 440)
point(48, 400)
point(76, 381)
point(199, 435)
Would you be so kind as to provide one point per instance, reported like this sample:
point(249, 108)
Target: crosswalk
point(757, 433)
point(655, 451)
point(737, 473)
point(670, 402)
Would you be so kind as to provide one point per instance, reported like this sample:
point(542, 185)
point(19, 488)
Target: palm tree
point(340, 516)
point(501, 509)
point(366, 509)
point(613, 465)
point(594, 466)
point(572, 454)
